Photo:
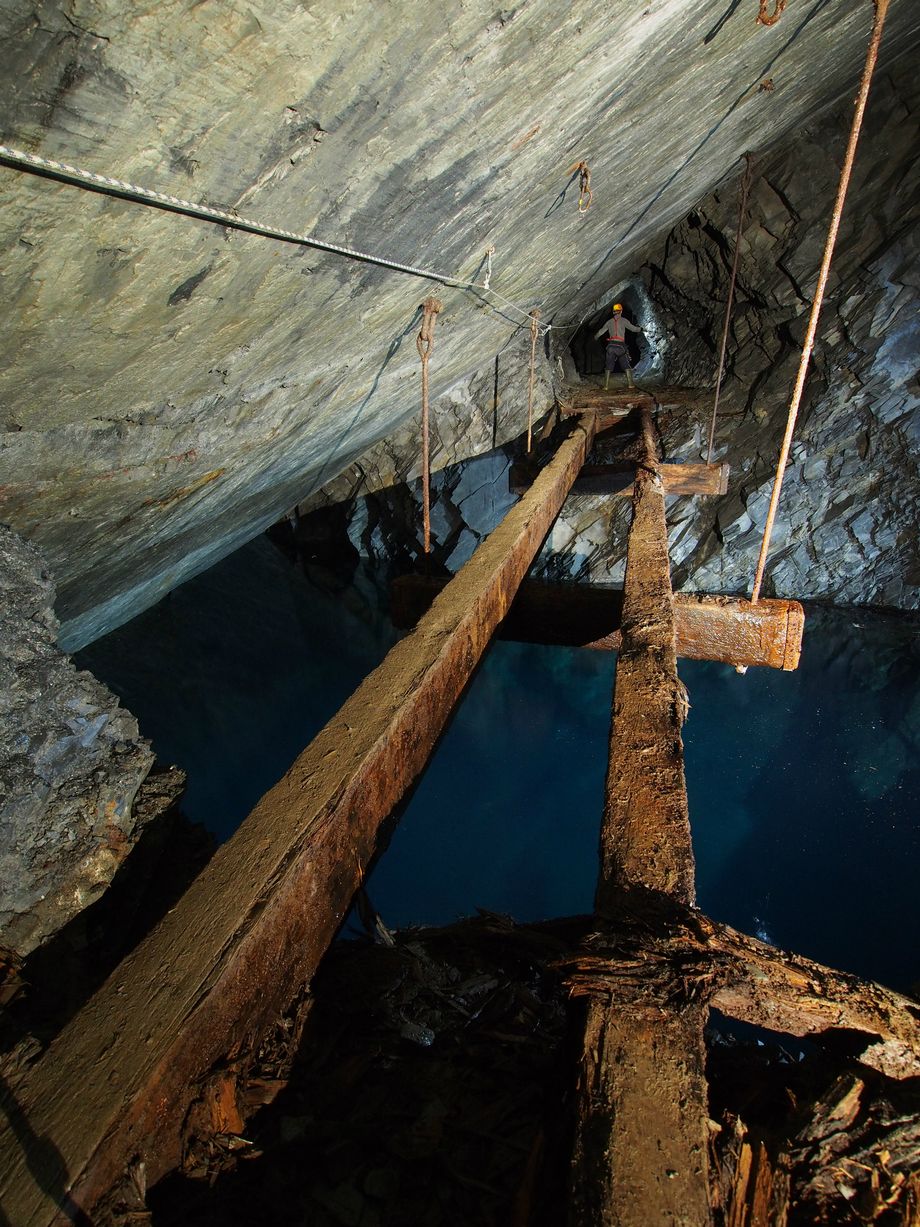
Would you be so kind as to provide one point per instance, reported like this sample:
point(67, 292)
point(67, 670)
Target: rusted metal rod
point(220, 969)
point(424, 343)
point(534, 318)
point(881, 9)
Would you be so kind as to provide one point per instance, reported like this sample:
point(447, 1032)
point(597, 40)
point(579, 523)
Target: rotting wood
point(787, 992)
point(721, 628)
point(641, 1142)
point(654, 949)
point(617, 479)
point(243, 941)
point(645, 836)
point(641, 1139)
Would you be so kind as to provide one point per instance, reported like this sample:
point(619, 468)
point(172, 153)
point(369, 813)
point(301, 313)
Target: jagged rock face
point(851, 498)
point(71, 765)
point(169, 388)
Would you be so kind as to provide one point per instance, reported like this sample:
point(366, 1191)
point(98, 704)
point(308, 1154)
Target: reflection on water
point(804, 787)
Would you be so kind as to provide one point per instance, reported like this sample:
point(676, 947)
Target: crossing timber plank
point(653, 947)
point(723, 628)
point(218, 971)
point(617, 479)
point(640, 1152)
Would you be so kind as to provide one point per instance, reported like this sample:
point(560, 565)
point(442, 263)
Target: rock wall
point(851, 498)
point(168, 388)
point(72, 766)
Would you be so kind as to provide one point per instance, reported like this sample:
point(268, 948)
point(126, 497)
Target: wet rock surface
point(845, 527)
point(168, 389)
point(72, 765)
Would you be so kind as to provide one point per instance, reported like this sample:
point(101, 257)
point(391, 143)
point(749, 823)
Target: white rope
point(142, 195)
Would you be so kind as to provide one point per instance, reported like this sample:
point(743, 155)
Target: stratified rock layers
point(169, 388)
point(846, 529)
point(71, 764)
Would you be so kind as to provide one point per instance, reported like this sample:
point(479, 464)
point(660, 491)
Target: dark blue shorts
point(618, 356)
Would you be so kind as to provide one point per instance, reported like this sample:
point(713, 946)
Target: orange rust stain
point(182, 492)
point(522, 140)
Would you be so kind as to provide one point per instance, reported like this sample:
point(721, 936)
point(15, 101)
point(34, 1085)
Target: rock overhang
point(171, 387)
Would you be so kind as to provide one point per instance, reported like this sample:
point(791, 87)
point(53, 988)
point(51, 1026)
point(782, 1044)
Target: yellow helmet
point(618, 306)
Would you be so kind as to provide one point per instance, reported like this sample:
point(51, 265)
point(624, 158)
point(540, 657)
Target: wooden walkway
point(186, 1012)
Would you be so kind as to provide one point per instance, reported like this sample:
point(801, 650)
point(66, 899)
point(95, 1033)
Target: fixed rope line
point(425, 344)
point(745, 188)
point(77, 176)
point(881, 8)
point(534, 317)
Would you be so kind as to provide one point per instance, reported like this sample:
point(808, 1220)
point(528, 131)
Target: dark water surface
point(804, 787)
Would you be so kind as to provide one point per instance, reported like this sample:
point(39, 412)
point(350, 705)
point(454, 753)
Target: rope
point(770, 19)
point(77, 176)
point(490, 252)
point(534, 317)
point(881, 8)
point(425, 344)
point(585, 195)
point(745, 188)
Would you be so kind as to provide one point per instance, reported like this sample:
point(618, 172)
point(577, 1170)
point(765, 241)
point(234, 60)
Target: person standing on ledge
point(617, 353)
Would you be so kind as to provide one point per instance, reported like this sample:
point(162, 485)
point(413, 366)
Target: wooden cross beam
point(617, 479)
point(219, 970)
point(721, 628)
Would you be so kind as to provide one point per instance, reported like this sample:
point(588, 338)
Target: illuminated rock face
point(851, 495)
point(168, 388)
point(71, 765)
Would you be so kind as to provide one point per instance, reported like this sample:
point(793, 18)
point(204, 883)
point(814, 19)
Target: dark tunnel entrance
point(588, 351)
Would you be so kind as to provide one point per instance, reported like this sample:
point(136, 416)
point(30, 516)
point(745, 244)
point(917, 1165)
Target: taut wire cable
point(745, 188)
point(881, 8)
point(80, 177)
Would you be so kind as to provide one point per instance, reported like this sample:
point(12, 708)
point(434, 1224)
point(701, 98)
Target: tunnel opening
point(646, 352)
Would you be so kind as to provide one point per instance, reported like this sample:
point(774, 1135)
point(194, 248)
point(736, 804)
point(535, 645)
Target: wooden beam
point(246, 938)
point(723, 628)
point(641, 1144)
point(650, 950)
point(645, 837)
point(786, 992)
point(731, 629)
point(616, 480)
point(641, 1138)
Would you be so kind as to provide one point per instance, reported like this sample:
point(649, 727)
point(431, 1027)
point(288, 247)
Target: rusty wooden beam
point(640, 1153)
point(219, 970)
point(617, 479)
point(787, 992)
point(722, 628)
point(731, 629)
point(652, 948)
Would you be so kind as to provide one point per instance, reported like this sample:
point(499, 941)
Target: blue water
point(804, 788)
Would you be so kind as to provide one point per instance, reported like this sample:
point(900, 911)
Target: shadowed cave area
point(308, 914)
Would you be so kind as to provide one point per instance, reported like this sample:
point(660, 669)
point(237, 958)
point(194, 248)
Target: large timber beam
point(654, 950)
point(641, 1141)
point(617, 479)
point(723, 628)
point(247, 937)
